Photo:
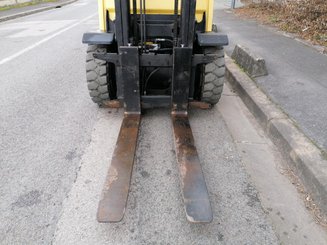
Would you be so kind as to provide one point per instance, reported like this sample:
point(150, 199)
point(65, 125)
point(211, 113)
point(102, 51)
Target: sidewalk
point(27, 10)
point(297, 79)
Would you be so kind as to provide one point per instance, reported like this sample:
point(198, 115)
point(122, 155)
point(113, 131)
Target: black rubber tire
point(97, 75)
point(214, 76)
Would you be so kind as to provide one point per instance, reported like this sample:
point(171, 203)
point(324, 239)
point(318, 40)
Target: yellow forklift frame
point(158, 7)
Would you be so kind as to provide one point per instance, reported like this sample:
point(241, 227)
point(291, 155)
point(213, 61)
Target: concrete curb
point(254, 65)
point(34, 11)
point(303, 157)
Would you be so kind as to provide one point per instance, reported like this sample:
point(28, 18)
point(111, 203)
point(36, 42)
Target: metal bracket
point(160, 60)
point(181, 78)
point(212, 39)
point(203, 59)
point(98, 38)
point(109, 57)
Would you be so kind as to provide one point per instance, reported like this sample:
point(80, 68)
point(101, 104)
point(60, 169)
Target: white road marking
point(23, 51)
point(80, 4)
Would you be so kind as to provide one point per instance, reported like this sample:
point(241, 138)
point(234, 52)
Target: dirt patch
point(306, 18)
point(310, 204)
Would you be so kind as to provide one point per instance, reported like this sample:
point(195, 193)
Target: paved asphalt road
point(55, 147)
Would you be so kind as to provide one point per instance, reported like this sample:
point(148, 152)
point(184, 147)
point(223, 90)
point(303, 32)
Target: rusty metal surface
point(192, 104)
point(112, 104)
point(199, 105)
point(194, 189)
point(115, 192)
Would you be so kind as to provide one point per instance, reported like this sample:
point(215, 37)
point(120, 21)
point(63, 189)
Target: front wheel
point(100, 76)
point(213, 76)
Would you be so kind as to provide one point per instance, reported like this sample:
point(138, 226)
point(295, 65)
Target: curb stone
point(34, 11)
point(254, 65)
point(303, 156)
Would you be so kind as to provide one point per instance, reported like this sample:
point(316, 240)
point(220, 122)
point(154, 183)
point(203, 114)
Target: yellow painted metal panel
point(102, 16)
point(159, 7)
point(209, 15)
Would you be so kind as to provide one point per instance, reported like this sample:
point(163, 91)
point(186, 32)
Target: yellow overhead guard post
point(158, 7)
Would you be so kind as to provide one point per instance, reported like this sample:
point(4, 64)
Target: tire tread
point(214, 76)
point(96, 75)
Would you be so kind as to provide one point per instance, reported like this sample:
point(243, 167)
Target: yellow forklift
point(153, 54)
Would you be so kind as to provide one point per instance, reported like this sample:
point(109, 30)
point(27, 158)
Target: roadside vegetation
point(19, 5)
point(306, 18)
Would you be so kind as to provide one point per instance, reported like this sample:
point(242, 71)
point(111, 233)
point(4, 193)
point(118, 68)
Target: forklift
point(151, 54)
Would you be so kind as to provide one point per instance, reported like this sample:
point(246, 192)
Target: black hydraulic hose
point(135, 22)
point(176, 22)
point(163, 40)
point(147, 80)
point(160, 50)
point(141, 24)
point(144, 24)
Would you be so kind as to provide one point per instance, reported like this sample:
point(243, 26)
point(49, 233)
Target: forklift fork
point(115, 192)
point(194, 189)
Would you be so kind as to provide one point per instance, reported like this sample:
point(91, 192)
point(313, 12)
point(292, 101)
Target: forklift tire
point(96, 75)
point(214, 75)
